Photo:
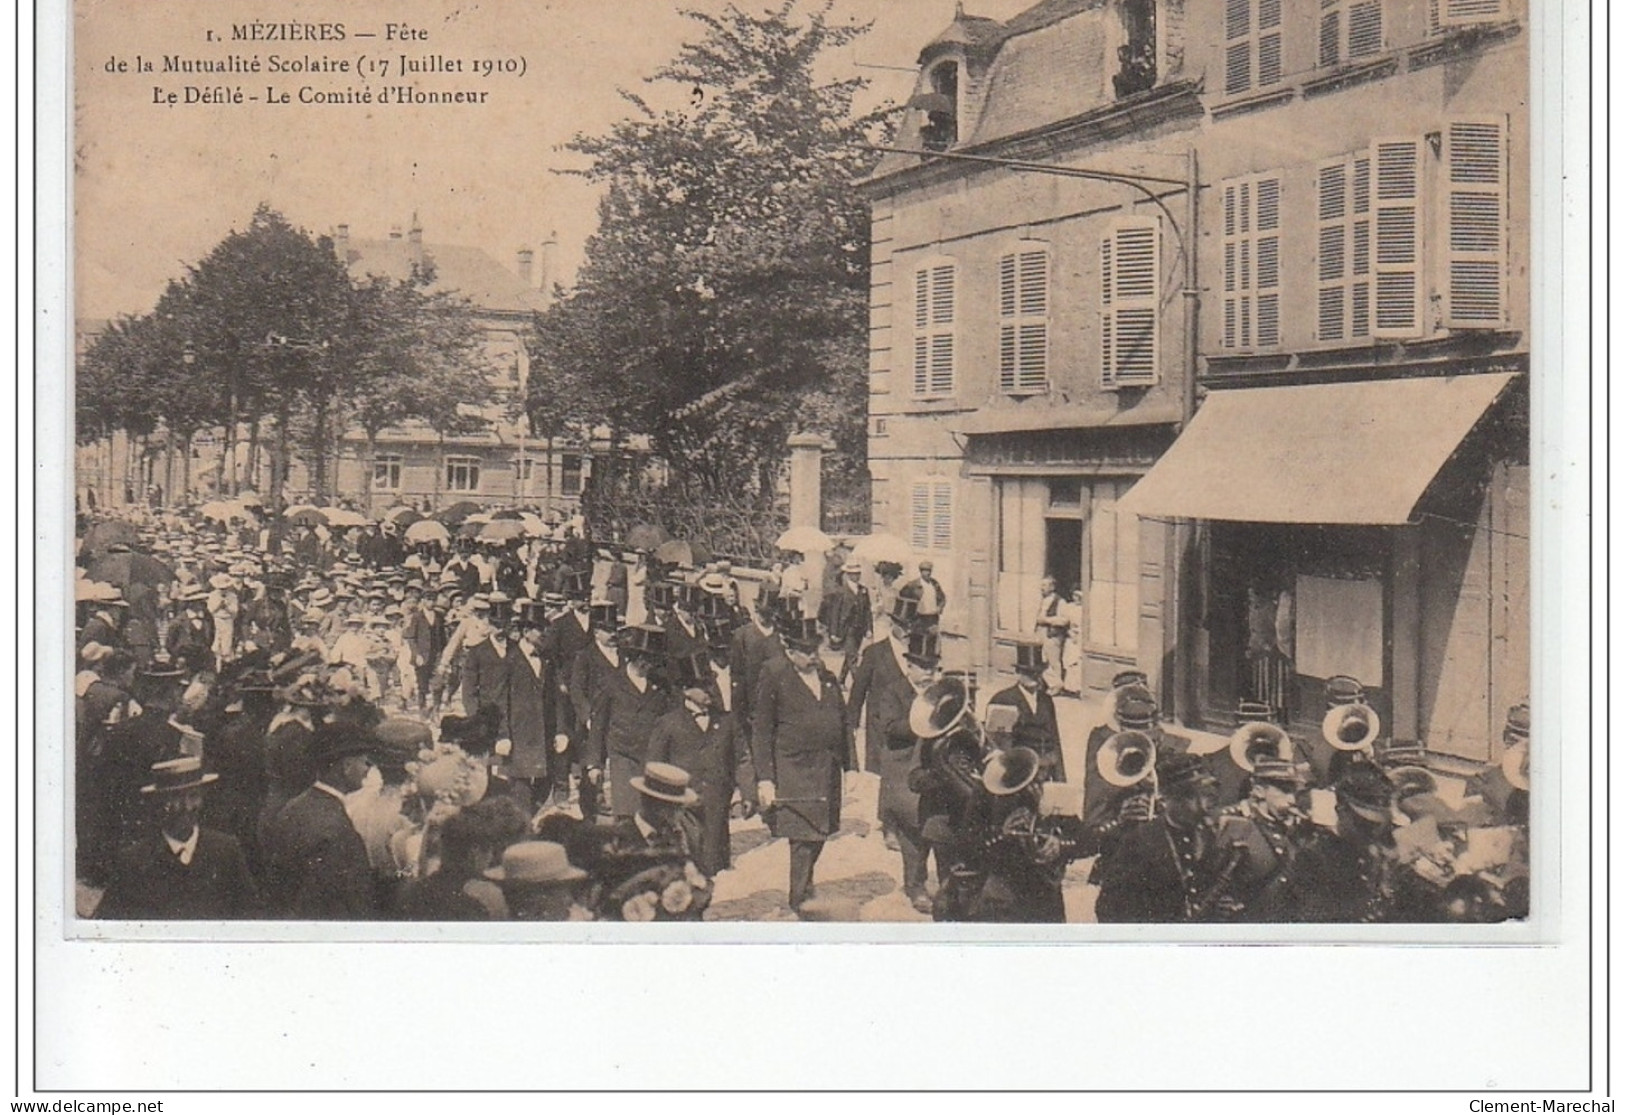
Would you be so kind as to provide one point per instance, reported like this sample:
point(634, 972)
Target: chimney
point(550, 251)
point(526, 256)
point(341, 243)
point(414, 236)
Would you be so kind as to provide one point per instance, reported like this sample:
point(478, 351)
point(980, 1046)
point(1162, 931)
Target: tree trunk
point(367, 467)
point(254, 454)
point(279, 462)
point(228, 470)
point(186, 466)
point(318, 452)
point(439, 470)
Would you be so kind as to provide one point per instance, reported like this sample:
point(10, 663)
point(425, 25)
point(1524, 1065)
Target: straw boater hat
point(176, 776)
point(665, 783)
point(535, 863)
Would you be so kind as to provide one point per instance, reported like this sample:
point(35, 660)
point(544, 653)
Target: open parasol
point(881, 546)
point(403, 516)
point(806, 540)
point(457, 512)
point(129, 569)
point(223, 510)
point(109, 533)
point(343, 518)
point(427, 530)
point(303, 514)
point(501, 530)
point(646, 536)
point(679, 552)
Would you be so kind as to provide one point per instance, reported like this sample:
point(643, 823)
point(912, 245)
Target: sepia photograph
point(1024, 464)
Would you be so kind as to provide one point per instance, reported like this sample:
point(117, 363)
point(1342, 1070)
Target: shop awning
point(1034, 416)
point(1355, 453)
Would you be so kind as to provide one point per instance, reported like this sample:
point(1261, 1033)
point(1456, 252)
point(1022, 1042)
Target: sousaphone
point(1252, 740)
point(943, 707)
point(1352, 727)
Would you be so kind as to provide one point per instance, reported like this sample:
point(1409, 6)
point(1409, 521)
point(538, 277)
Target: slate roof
point(471, 272)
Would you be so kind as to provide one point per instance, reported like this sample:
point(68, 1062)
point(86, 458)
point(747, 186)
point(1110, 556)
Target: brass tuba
point(1127, 758)
point(1251, 741)
point(1351, 727)
point(944, 706)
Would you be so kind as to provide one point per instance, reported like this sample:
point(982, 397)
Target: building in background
point(1356, 480)
point(1029, 321)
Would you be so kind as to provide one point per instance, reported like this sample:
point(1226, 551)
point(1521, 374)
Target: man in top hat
point(1348, 875)
point(880, 684)
point(623, 716)
point(486, 669)
point(539, 883)
point(848, 616)
point(684, 635)
point(537, 752)
point(700, 738)
point(1171, 868)
point(100, 710)
point(236, 751)
point(755, 643)
point(1036, 725)
point(801, 742)
point(591, 672)
point(899, 756)
point(316, 861)
point(568, 634)
point(180, 870)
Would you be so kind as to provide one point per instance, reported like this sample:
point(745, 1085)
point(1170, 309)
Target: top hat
point(174, 776)
point(692, 671)
point(256, 681)
point(801, 632)
point(666, 783)
point(339, 741)
point(1030, 658)
point(1367, 791)
point(1182, 770)
point(535, 863)
point(575, 583)
point(642, 639)
point(531, 613)
point(604, 615)
point(924, 649)
point(708, 606)
point(662, 594)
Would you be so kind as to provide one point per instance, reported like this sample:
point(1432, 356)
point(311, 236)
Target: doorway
point(1063, 554)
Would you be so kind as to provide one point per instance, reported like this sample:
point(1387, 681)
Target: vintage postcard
point(894, 464)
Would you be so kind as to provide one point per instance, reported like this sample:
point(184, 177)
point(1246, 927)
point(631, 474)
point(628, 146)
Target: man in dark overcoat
point(532, 755)
point(487, 670)
point(316, 861)
point(1036, 726)
point(801, 742)
point(702, 739)
point(623, 718)
point(898, 752)
point(880, 686)
point(591, 671)
point(755, 644)
point(180, 870)
point(1171, 867)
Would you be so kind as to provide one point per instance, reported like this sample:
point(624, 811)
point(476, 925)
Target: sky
point(157, 185)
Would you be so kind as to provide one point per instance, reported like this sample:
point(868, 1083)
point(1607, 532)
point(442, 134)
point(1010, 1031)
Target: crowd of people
point(296, 722)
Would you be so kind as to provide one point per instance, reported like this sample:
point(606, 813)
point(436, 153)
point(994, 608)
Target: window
point(1114, 570)
point(386, 472)
point(1349, 30)
point(941, 107)
point(1252, 262)
point(1252, 52)
point(1137, 57)
point(462, 474)
point(1343, 266)
point(931, 515)
point(1024, 321)
point(1446, 14)
point(1397, 168)
point(570, 474)
point(525, 467)
point(1128, 299)
point(934, 329)
point(1475, 178)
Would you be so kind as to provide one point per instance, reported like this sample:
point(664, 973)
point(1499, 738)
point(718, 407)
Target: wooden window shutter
point(1397, 167)
point(1365, 29)
point(934, 307)
point(942, 502)
point(1332, 262)
point(1269, 42)
point(1462, 13)
point(1475, 154)
point(920, 517)
point(1267, 262)
point(1024, 324)
point(1129, 296)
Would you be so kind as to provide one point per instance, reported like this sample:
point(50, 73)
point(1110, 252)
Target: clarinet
point(1199, 910)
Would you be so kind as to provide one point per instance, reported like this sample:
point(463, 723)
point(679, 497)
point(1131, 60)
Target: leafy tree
point(723, 302)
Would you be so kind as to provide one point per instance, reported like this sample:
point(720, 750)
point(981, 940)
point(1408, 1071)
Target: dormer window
point(940, 130)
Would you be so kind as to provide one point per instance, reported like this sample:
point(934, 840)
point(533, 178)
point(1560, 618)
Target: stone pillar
point(806, 480)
